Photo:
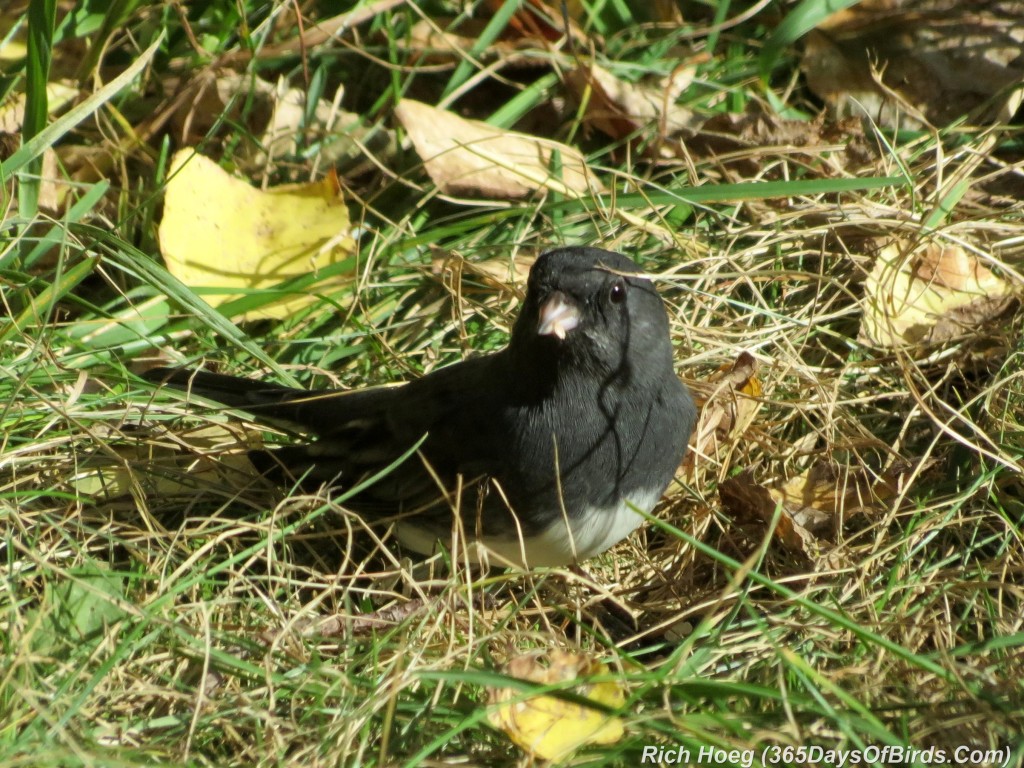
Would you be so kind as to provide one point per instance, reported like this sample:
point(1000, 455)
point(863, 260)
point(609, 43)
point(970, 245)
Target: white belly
point(560, 544)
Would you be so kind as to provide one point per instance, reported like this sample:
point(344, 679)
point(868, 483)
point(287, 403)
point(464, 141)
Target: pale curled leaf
point(620, 108)
point(160, 469)
point(277, 119)
point(214, 96)
point(12, 111)
point(841, 491)
point(933, 295)
point(344, 137)
point(53, 187)
point(469, 157)
point(502, 273)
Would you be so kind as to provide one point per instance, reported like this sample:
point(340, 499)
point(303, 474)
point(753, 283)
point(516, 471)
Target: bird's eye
point(617, 294)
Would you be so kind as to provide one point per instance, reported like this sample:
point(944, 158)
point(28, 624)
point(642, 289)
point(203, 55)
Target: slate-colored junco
point(543, 448)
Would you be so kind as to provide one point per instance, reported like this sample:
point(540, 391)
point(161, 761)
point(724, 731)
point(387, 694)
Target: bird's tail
point(266, 401)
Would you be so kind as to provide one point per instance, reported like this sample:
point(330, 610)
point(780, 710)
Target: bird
point(545, 453)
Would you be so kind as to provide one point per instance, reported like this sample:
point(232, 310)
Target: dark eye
point(617, 293)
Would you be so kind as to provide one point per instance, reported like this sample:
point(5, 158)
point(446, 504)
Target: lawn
point(832, 208)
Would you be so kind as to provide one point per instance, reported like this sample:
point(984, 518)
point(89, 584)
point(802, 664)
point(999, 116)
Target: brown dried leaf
point(839, 143)
point(446, 42)
point(813, 504)
point(545, 22)
point(314, 34)
point(912, 63)
point(619, 108)
point(470, 157)
point(747, 500)
point(939, 293)
point(732, 405)
point(825, 493)
point(337, 625)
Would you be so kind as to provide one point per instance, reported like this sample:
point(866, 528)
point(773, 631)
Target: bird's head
point(590, 310)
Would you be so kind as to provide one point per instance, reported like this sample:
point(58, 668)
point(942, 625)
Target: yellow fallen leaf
point(470, 157)
point(936, 294)
point(219, 232)
point(550, 727)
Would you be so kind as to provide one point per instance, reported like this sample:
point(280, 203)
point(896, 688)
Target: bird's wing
point(434, 423)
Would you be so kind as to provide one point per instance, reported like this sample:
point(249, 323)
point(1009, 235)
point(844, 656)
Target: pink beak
point(558, 315)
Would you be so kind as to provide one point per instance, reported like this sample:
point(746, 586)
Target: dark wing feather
point(316, 411)
point(362, 432)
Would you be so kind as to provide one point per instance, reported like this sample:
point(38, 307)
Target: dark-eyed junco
point(542, 449)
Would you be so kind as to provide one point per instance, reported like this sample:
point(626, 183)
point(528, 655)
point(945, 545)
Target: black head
point(589, 310)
